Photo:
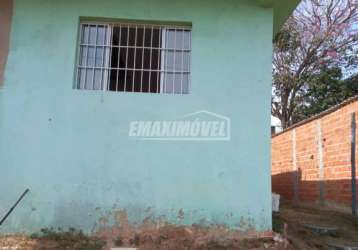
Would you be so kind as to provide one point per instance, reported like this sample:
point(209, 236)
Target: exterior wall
point(71, 147)
point(322, 157)
point(5, 24)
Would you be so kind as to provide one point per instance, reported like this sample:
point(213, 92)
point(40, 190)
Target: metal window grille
point(134, 58)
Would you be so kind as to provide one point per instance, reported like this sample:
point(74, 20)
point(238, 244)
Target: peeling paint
point(124, 230)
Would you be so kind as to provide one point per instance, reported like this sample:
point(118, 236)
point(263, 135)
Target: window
point(134, 58)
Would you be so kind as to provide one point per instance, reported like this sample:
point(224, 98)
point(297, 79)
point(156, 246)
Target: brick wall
point(311, 161)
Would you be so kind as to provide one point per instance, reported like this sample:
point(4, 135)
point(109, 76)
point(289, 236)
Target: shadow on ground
point(301, 237)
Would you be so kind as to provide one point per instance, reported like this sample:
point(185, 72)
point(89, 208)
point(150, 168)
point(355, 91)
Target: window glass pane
point(170, 39)
point(101, 35)
point(92, 34)
point(97, 83)
point(185, 62)
point(90, 56)
point(169, 61)
point(167, 78)
point(176, 58)
point(85, 34)
point(85, 79)
point(185, 83)
point(187, 40)
point(93, 57)
point(89, 77)
point(81, 78)
point(178, 39)
point(169, 83)
point(177, 61)
point(83, 55)
point(176, 83)
point(100, 56)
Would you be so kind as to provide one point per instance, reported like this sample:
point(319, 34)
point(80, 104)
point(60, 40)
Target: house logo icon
point(198, 126)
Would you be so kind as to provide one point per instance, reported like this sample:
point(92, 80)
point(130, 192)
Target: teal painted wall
point(72, 149)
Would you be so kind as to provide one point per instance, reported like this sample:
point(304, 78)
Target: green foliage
point(72, 239)
point(325, 90)
point(287, 39)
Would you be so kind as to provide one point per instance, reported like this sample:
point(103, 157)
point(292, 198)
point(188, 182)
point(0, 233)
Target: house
point(87, 82)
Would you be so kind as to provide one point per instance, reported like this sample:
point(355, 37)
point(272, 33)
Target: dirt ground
point(301, 237)
point(290, 224)
point(165, 238)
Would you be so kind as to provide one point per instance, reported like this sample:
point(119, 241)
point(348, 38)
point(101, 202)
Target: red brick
point(336, 135)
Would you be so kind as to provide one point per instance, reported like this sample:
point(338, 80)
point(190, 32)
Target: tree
point(326, 90)
point(319, 36)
